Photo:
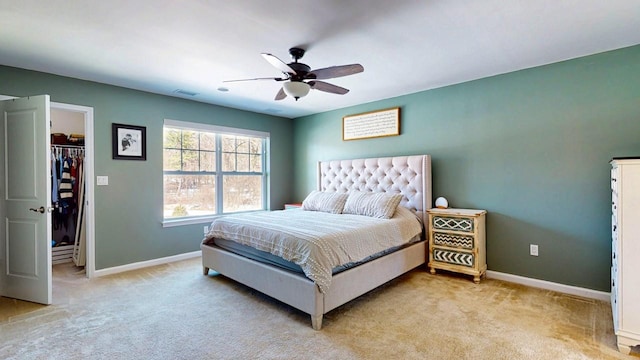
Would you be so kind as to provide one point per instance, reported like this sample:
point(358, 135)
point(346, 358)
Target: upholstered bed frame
point(407, 175)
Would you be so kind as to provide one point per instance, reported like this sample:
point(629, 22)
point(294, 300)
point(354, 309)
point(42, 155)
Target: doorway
point(76, 123)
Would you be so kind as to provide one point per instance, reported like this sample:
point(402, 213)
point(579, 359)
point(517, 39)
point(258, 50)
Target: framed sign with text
point(372, 124)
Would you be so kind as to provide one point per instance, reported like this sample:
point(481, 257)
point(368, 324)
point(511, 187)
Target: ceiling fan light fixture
point(296, 89)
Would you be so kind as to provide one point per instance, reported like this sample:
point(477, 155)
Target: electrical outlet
point(206, 230)
point(102, 180)
point(533, 250)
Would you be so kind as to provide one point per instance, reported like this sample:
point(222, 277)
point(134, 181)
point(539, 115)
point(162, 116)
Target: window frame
point(218, 172)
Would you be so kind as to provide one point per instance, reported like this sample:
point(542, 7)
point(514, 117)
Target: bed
point(408, 176)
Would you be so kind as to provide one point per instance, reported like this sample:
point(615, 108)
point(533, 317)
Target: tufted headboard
point(406, 175)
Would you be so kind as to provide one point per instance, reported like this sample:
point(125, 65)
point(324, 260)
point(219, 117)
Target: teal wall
point(128, 212)
point(532, 147)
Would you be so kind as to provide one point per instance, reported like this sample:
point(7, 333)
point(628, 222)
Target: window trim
point(222, 130)
point(184, 125)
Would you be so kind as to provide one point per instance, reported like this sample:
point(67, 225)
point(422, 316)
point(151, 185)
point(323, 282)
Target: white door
point(25, 226)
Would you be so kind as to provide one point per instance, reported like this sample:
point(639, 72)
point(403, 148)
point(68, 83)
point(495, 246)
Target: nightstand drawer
point(464, 224)
point(453, 240)
point(453, 257)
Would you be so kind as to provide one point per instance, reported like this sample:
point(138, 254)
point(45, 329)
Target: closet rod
point(68, 146)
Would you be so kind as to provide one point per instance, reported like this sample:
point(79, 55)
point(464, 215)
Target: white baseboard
point(548, 285)
point(148, 263)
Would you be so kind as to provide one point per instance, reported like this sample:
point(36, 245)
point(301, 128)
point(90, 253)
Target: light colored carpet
point(174, 312)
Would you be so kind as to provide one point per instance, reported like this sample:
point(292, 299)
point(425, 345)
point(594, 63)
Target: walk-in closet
point(68, 238)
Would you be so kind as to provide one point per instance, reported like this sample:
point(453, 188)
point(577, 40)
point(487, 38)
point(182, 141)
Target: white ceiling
point(405, 46)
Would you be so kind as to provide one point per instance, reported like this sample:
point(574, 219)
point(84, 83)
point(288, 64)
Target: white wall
point(67, 122)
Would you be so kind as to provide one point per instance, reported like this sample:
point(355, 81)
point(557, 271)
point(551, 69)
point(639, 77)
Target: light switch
point(102, 180)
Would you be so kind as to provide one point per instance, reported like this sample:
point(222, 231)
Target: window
point(211, 170)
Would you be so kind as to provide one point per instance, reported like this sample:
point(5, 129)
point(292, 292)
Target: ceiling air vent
point(185, 92)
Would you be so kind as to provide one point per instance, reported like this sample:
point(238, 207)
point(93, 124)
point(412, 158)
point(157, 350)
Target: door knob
point(41, 209)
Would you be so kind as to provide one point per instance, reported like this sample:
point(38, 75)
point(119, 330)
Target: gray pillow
point(330, 202)
point(378, 205)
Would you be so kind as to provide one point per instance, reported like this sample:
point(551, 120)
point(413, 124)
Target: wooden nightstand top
point(461, 212)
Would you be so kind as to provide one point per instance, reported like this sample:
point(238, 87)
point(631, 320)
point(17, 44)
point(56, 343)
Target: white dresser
point(625, 257)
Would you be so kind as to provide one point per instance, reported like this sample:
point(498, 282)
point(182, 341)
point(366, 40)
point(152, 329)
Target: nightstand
point(292, 206)
point(457, 241)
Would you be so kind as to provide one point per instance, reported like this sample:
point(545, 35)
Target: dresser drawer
point(453, 240)
point(462, 224)
point(614, 297)
point(453, 257)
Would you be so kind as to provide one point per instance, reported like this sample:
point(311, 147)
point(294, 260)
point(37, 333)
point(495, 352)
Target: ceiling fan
point(299, 78)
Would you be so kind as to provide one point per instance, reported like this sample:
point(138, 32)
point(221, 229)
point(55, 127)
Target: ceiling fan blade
point(326, 87)
point(281, 94)
point(278, 64)
point(336, 71)
point(265, 78)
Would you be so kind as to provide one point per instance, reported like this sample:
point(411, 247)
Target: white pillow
point(378, 205)
point(330, 202)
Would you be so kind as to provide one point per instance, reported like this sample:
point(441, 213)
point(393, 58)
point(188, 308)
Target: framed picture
point(372, 124)
point(129, 142)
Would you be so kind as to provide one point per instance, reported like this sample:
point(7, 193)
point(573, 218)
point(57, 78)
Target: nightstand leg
point(476, 279)
point(433, 271)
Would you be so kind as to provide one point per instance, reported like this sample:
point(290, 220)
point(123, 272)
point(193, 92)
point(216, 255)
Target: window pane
point(190, 140)
point(207, 141)
point(228, 162)
point(242, 144)
point(242, 162)
point(256, 146)
point(171, 160)
point(256, 163)
point(228, 143)
point(241, 193)
point(172, 138)
point(189, 195)
point(207, 161)
point(190, 161)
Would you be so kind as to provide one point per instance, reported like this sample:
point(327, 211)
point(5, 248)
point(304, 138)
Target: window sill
point(200, 220)
point(191, 221)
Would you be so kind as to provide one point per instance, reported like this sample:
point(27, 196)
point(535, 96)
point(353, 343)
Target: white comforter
point(317, 241)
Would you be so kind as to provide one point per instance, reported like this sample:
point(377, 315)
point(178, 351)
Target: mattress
point(273, 260)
